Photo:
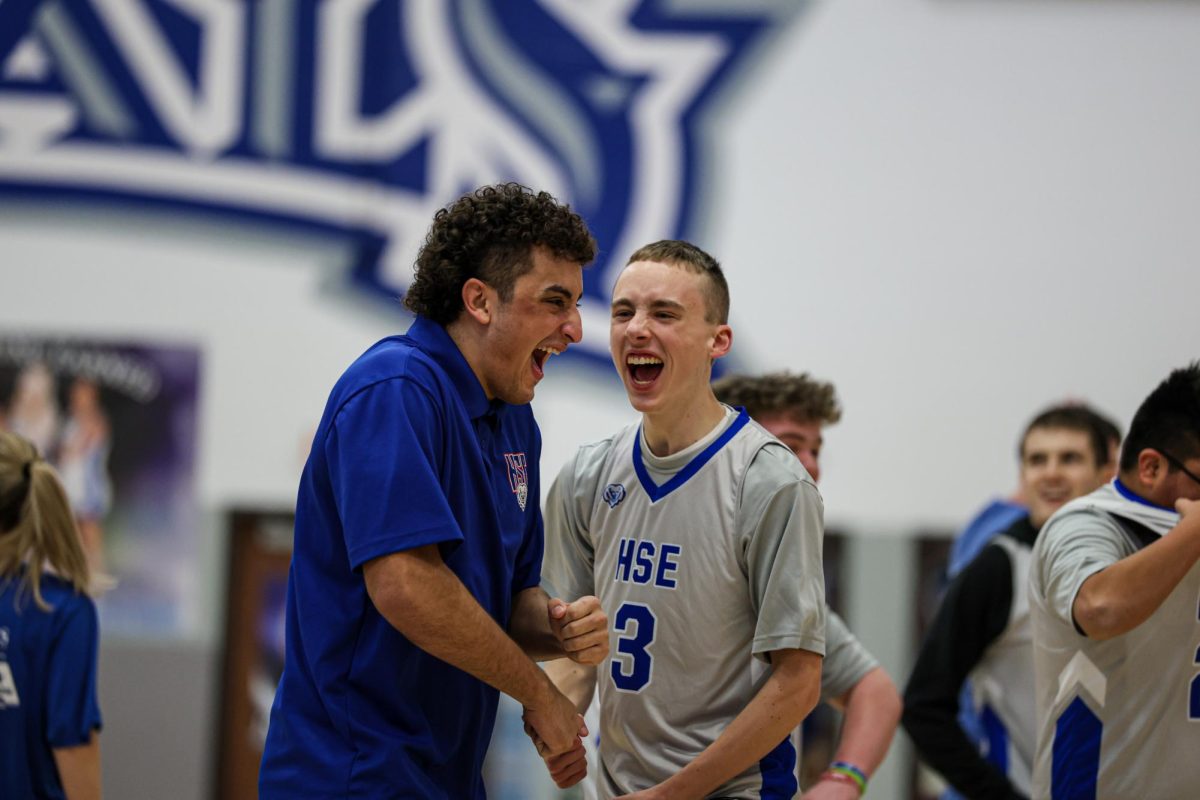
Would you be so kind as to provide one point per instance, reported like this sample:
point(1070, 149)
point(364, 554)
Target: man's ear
point(1151, 466)
point(478, 300)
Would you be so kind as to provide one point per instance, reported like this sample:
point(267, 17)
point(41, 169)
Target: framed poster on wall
point(118, 419)
point(260, 551)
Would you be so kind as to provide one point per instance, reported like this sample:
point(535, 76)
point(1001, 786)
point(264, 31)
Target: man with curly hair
point(413, 595)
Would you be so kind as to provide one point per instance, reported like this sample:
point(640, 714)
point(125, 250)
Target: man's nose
point(573, 327)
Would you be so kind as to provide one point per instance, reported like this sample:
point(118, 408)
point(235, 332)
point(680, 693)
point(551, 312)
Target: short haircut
point(1168, 420)
point(490, 234)
point(799, 397)
point(676, 253)
point(1100, 430)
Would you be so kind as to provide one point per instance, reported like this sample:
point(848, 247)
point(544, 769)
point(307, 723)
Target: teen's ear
point(722, 341)
point(478, 299)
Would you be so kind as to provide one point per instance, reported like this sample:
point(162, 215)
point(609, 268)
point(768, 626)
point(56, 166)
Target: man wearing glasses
point(1115, 597)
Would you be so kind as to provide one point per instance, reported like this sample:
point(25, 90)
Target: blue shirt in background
point(409, 452)
point(993, 519)
point(47, 684)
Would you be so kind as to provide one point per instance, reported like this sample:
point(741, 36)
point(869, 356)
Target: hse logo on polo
point(361, 118)
point(644, 562)
point(518, 476)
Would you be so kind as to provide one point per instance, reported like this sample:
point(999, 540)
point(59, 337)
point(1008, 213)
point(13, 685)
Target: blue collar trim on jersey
point(1128, 494)
point(657, 492)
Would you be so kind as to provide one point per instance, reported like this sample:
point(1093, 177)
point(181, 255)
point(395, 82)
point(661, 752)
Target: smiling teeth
point(639, 360)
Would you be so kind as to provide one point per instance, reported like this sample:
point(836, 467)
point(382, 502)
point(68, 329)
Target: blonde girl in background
point(49, 638)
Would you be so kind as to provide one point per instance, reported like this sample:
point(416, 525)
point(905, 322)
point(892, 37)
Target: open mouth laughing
point(643, 369)
point(540, 356)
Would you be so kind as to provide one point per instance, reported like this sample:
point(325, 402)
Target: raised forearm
point(1125, 594)
point(872, 712)
point(789, 693)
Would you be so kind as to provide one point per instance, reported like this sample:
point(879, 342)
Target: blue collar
point(657, 492)
point(434, 340)
point(1128, 494)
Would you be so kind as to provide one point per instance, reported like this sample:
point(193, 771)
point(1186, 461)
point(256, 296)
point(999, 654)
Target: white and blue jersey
point(1118, 718)
point(47, 684)
point(410, 452)
point(705, 561)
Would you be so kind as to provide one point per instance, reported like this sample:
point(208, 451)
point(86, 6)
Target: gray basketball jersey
point(702, 561)
point(846, 661)
point(1002, 682)
point(1119, 718)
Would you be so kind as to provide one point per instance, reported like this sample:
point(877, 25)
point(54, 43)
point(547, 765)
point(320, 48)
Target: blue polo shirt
point(409, 452)
point(47, 684)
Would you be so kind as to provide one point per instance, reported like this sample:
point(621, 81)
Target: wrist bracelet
point(840, 777)
point(852, 772)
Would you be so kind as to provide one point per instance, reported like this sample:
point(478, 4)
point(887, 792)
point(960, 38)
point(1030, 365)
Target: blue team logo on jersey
point(363, 117)
point(614, 493)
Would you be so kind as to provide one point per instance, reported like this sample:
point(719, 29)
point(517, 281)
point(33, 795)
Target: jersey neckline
point(656, 492)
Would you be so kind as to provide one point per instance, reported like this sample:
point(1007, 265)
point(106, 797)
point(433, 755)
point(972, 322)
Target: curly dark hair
point(490, 234)
point(799, 397)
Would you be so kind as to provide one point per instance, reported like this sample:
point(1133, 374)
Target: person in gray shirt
point(702, 536)
point(981, 633)
point(1113, 591)
point(795, 409)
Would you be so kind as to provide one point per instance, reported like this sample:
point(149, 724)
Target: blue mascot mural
point(360, 118)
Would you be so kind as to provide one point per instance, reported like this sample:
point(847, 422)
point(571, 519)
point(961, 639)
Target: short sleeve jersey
point(1120, 717)
point(846, 661)
point(703, 561)
point(47, 684)
point(409, 453)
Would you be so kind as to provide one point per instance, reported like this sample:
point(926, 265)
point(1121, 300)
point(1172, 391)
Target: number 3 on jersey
point(632, 664)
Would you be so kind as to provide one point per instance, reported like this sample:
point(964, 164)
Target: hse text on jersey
point(642, 561)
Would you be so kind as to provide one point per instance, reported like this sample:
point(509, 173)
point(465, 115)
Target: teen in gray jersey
point(1114, 594)
point(795, 409)
point(701, 534)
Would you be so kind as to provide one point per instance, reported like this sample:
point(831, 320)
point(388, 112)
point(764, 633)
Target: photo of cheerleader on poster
point(118, 421)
